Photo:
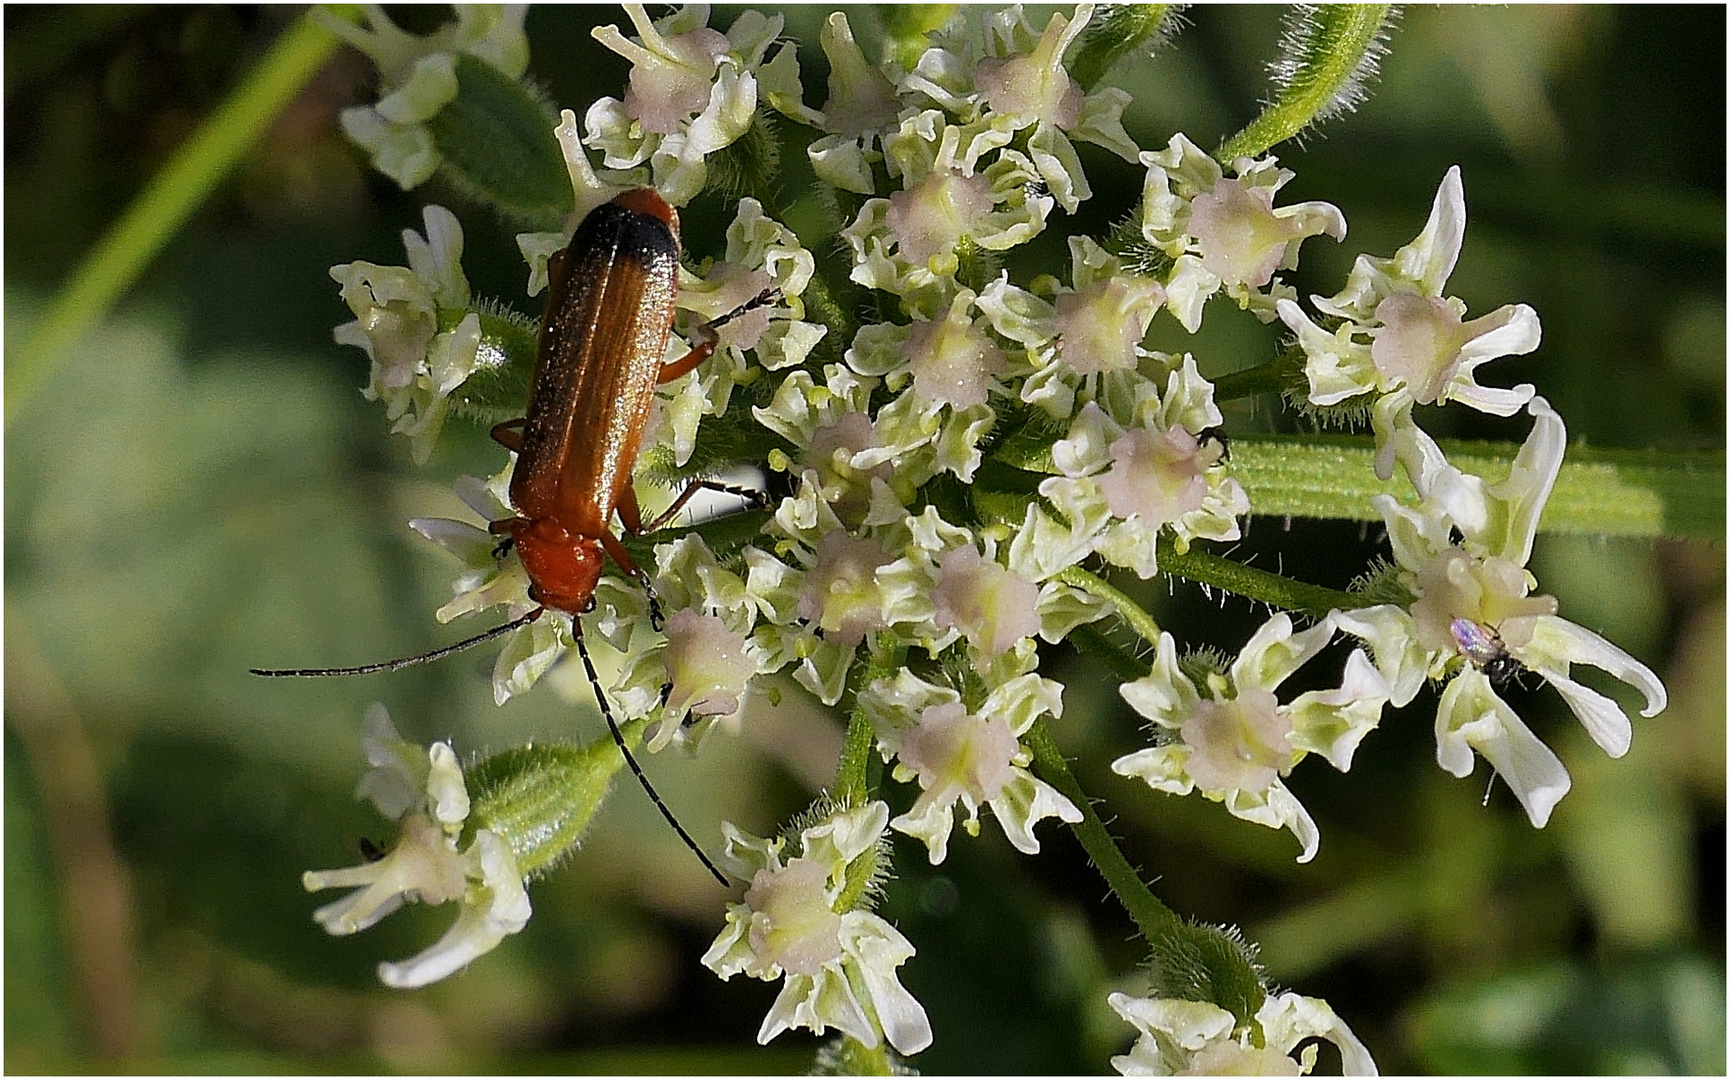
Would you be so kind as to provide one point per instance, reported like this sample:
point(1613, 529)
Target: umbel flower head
point(1229, 737)
point(416, 328)
point(1475, 620)
point(1175, 1037)
point(424, 792)
point(1400, 339)
point(803, 920)
point(960, 433)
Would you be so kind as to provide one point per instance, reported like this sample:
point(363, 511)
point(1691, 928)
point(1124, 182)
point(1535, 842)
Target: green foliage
point(541, 798)
point(496, 142)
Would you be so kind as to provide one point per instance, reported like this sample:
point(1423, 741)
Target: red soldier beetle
point(610, 298)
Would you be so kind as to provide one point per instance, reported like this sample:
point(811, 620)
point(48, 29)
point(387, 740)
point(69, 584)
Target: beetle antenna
point(618, 737)
point(407, 661)
point(762, 299)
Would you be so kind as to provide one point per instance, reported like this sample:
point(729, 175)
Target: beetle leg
point(704, 346)
point(506, 529)
point(630, 512)
point(616, 549)
point(510, 435)
point(701, 351)
point(757, 499)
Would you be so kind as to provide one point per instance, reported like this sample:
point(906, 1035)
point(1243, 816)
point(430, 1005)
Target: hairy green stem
point(852, 774)
point(1674, 494)
point(1114, 33)
point(822, 307)
point(1152, 918)
point(1218, 572)
point(1133, 614)
point(164, 205)
point(1326, 57)
point(851, 788)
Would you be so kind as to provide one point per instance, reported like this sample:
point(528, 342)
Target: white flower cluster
point(1175, 1037)
point(418, 78)
point(424, 793)
point(969, 153)
point(416, 327)
point(800, 921)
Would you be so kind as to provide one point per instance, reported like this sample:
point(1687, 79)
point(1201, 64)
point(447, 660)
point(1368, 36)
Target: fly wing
point(609, 311)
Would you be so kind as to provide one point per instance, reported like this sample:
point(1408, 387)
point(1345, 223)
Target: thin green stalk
point(1268, 378)
point(1152, 918)
point(1133, 614)
point(852, 774)
point(1327, 53)
point(165, 204)
point(1246, 581)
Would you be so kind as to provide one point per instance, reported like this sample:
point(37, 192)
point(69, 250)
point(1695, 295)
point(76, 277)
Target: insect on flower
point(1485, 649)
point(600, 356)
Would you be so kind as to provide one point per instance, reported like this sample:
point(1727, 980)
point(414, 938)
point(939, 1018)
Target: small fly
point(1486, 650)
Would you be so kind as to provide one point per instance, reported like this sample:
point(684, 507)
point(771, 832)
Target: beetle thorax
point(563, 567)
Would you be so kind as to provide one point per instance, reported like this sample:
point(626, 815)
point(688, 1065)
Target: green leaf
point(496, 141)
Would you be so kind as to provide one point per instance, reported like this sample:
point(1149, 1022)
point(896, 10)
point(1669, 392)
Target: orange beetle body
point(600, 356)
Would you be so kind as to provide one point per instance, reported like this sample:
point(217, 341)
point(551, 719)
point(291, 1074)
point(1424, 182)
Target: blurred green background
point(199, 488)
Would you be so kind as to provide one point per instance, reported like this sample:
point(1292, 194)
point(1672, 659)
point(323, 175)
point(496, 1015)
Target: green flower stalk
point(1328, 55)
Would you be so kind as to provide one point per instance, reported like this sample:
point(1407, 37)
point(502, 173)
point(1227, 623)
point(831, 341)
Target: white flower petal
point(1333, 722)
point(1164, 695)
point(1288, 1019)
point(1429, 260)
point(1602, 718)
point(1392, 637)
point(1528, 486)
point(1557, 642)
point(1024, 802)
point(879, 949)
point(1471, 717)
point(1274, 652)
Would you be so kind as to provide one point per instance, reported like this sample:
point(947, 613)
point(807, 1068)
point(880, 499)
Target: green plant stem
point(165, 204)
point(1268, 378)
point(851, 788)
point(1152, 918)
point(852, 774)
point(1114, 33)
point(1674, 494)
point(857, 1059)
point(1133, 614)
point(906, 26)
point(1346, 39)
point(1269, 588)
